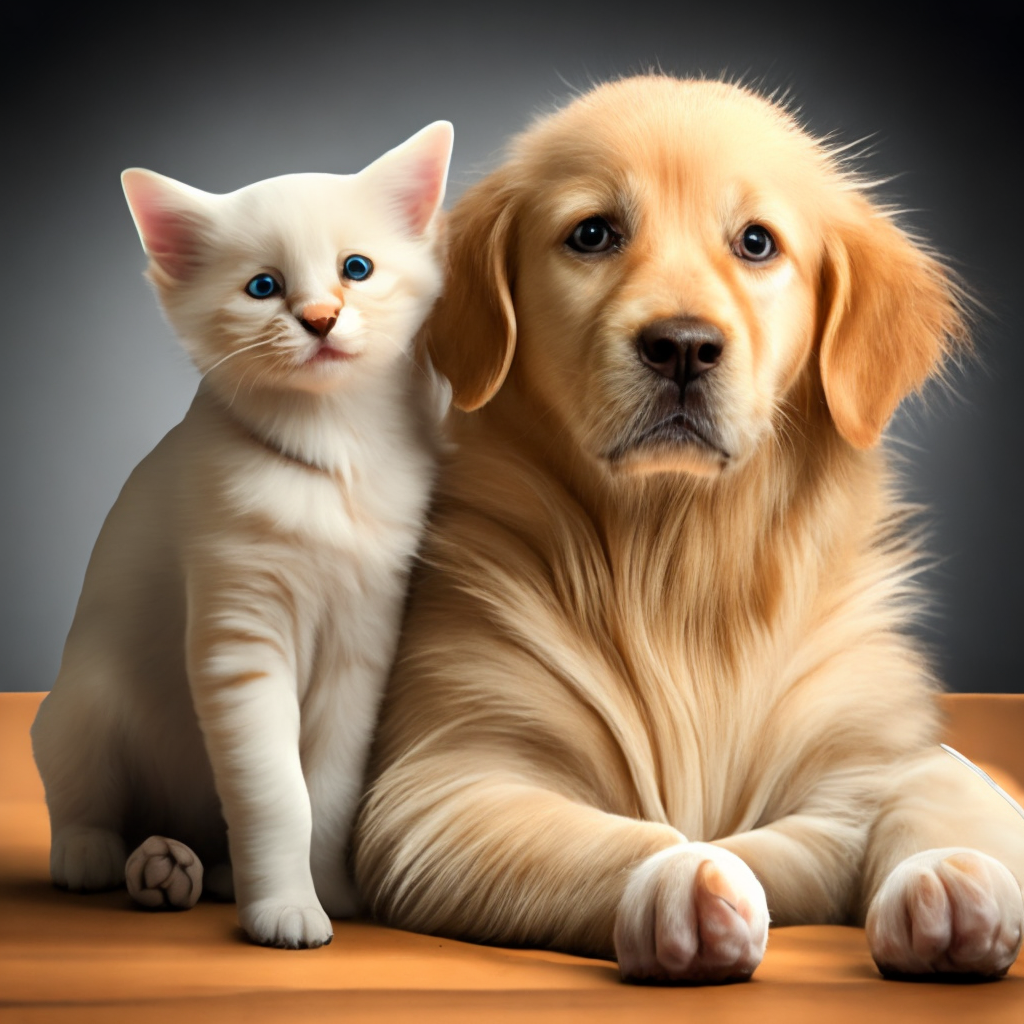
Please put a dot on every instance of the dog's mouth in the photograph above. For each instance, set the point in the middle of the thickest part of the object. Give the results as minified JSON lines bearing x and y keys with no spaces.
{"x":680,"y":429}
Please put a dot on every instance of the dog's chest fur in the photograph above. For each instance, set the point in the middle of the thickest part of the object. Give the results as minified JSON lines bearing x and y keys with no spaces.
{"x":688,"y":635}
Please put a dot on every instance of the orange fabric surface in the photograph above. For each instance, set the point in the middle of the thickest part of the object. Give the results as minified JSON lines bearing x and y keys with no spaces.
{"x":86,"y":959}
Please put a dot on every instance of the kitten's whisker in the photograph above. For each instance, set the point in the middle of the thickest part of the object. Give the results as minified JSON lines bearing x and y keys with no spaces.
{"x":258,"y":378}
{"x":234,"y":394}
{"x":237,"y":352}
{"x":241,"y":379}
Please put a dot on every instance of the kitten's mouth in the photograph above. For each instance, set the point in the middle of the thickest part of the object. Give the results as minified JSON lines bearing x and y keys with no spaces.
{"x":329,"y":354}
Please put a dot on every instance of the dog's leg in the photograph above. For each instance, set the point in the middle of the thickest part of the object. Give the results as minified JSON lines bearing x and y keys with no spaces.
{"x":943,"y":874}
{"x":809,"y":861}
{"x":499,"y":860}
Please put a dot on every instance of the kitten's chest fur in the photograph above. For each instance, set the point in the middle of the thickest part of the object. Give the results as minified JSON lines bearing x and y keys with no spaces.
{"x":339,"y":475}
{"x":327,"y":511}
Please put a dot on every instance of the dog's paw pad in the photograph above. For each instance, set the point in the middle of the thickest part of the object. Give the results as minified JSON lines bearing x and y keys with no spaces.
{"x":164,"y":874}
{"x":692,"y":914}
{"x":87,"y":859}
{"x":725,"y":916}
{"x":946,"y":912}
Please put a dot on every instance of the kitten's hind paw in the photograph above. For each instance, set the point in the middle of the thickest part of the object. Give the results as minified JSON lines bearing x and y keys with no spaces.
{"x":286,"y":925}
{"x":85,"y":859}
{"x":164,"y":874}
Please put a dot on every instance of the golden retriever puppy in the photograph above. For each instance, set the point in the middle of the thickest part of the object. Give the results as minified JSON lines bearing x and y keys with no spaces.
{"x":655,"y":687}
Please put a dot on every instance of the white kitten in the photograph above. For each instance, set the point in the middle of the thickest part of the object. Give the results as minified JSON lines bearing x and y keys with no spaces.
{"x":241,"y":607}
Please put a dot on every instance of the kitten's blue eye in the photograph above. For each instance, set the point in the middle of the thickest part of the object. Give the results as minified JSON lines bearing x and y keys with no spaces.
{"x":357,"y":268}
{"x":262,"y":286}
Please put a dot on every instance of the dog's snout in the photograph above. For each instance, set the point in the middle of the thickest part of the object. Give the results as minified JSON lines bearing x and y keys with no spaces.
{"x":680,"y":348}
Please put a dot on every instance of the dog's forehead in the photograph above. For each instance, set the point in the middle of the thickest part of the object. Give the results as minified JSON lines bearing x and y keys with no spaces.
{"x":675,"y":128}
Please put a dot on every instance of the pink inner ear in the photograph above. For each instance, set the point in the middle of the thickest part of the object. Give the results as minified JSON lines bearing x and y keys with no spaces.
{"x":169,"y":233}
{"x":423,"y":189}
{"x":418,"y":170}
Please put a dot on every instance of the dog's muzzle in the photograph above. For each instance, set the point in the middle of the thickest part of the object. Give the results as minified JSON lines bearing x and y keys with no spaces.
{"x":681,"y":353}
{"x":680,"y":349}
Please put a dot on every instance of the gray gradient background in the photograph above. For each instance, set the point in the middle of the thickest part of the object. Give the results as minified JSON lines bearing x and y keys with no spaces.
{"x":220,"y":97}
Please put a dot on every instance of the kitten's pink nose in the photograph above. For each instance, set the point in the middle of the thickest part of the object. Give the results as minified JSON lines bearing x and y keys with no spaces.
{"x":319,"y":318}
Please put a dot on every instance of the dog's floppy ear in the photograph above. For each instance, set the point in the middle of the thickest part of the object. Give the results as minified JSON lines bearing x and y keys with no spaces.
{"x":471,"y":334}
{"x":892,"y":314}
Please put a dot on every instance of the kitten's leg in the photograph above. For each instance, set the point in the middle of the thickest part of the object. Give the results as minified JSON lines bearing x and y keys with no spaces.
{"x":244,"y":690}
{"x":943,"y":874}
{"x":77,"y":750}
{"x":332,"y":824}
{"x":164,"y":874}
{"x":337,"y":728}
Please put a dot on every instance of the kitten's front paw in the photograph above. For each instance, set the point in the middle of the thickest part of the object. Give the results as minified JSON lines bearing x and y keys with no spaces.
{"x":953,"y":911}
{"x":86,"y":859}
{"x":693,"y":913}
{"x":163,"y":873}
{"x":286,"y":925}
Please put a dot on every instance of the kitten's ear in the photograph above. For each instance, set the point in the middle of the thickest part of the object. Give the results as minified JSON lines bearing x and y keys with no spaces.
{"x":170,"y":218}
{"x":414,"y":174}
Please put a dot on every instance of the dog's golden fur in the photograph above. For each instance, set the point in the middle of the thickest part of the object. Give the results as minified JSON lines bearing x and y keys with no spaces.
{"x":613,"y":642}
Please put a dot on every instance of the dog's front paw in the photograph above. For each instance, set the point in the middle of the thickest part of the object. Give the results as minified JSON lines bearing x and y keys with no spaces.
{"x":87,"y":859}
{"x":286,"y":925}
{"x":164,"y":874}
{"x":693,"y":913}
{"x":953,"y":911}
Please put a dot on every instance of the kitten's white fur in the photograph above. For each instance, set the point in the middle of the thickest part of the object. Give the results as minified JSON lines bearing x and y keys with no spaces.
{"x":241,"y":606}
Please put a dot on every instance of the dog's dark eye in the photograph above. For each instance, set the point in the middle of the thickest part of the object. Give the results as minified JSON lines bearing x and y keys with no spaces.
{"x":755,"y":244}
{"x":592,"y":235}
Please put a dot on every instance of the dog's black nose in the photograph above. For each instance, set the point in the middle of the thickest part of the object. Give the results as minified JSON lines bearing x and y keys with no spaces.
{"x":681,"y":348}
